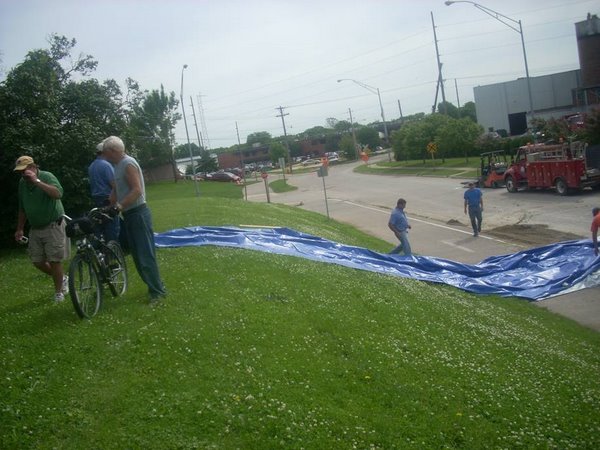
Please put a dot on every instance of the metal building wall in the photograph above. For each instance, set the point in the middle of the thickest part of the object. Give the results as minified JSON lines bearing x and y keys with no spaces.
{"x":495,"y":102}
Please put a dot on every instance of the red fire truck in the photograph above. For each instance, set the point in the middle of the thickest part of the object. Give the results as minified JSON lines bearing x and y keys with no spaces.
{"x":567,"y":167}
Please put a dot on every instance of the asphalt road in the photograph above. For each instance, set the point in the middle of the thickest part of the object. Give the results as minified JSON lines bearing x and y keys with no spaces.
{"x":439,"y":225}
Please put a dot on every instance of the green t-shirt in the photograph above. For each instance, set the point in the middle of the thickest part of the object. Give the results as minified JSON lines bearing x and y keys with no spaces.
{"x":40,"y":209}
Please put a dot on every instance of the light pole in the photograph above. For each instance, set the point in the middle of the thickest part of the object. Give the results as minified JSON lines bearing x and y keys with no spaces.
{"x":502,"y":18}
{"x":187,"y":134}
{"x":374,"y":90}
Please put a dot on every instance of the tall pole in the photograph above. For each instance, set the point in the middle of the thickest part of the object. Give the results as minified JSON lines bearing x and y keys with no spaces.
{"x":287,"y":145}
{"x":353,"y":134}
{"x":437,"y":54}
{"x":196,"y":124}
{"x":401,"y":116}
{"x":187,"y":134}
{"x":241,"y":161}
{"x":503,"y":19}
{"x":457,"y":99}
{"x":531,"y":112}
{"x":374,"y":90}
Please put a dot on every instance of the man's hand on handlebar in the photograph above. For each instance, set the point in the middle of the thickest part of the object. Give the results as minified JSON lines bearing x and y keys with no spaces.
{"x":111,"y":211}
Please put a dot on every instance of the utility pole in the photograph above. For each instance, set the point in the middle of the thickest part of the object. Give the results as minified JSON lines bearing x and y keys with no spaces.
{"x":198,"y":135}
{"x":457,"y":99}
{"x":203,"y":122}
{"x":241,"y":161}
{"x":401,"y":116}
{"x":440,"y":78}
{"x":287,"y":145}
{"x":187,"y":134}
{"x":353,"y":134}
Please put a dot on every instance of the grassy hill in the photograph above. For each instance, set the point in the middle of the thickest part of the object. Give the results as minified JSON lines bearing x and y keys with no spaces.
{"x":252,"y":350}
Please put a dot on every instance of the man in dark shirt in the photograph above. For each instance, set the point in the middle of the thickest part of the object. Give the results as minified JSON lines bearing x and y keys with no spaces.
{"x":102,"y":178}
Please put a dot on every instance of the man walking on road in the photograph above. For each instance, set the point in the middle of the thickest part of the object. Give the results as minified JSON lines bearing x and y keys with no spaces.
{"x":594,"y":229}
{"x":399,"y":225}
{"x":474,"y":202}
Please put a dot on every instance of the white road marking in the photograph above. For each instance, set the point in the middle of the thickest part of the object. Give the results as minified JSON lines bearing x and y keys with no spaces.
{"x":458,"y":247}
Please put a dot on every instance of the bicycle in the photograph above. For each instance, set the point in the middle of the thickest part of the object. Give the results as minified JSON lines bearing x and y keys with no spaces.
{"x":96,"y":264}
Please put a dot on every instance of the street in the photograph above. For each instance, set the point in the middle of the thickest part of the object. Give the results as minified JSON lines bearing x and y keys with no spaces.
{"x":439,"y":226}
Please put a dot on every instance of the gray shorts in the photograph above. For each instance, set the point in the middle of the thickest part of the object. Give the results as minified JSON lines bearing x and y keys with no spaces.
{"x":49,"y":243}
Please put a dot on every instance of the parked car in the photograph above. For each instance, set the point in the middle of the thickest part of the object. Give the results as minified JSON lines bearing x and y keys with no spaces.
{"x":223,"y":176}
{"x":235,"y":171}
{"x":311,"y":162}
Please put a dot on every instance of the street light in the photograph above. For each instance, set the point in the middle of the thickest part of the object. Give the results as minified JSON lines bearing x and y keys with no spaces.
{"x":502,"y":18}
{"x":187,"y":133}
{"x":374,"y":90}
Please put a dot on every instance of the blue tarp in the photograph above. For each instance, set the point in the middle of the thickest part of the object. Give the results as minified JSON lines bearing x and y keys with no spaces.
{"x":532,"y":274}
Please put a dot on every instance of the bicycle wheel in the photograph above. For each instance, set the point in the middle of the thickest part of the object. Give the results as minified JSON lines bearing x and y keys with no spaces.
{"x":116,"y":269}
{"x":84,"y":287}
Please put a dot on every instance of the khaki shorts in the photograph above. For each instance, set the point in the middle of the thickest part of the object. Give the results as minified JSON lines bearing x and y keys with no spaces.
{"x":49,"y":243}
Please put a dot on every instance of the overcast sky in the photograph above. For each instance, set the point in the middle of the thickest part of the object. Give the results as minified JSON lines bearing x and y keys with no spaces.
{"x":248,"y":57}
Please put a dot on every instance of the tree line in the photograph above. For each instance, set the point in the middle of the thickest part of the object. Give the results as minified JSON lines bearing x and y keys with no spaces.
{"x":52,"y":110}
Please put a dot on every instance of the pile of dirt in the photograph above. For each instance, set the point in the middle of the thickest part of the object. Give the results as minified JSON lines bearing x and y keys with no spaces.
{"x":533,"y":235}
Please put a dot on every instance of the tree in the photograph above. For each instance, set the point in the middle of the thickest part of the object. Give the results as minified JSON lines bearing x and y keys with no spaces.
{"x":368,"y":136}
{"x":331,"y":122}
{"x":411,"y":141}
{"x":591,"y":132}
{"x":449,"y":109}
{"x":151,"y":124}
{"x":206,"y":163}
{"x":347,"y":147}
{"x":457,"y":137}
{"x":183,"y":151}
{"x":260,"y":137}
{"x":332,"y":142}
{"x":295,"y":148}
{"x":468,"y":110}
{"x":277,"y":150}
{"x":343,"y":126}
{"x":57,"y":120}
{"x":315,"y":132}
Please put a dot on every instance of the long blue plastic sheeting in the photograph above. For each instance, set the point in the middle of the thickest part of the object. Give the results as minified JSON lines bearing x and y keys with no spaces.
{"x":532,"y":274}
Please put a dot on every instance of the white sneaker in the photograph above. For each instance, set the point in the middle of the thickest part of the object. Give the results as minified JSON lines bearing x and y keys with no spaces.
{"x":59,"y":297}
{"x":65,"y":285}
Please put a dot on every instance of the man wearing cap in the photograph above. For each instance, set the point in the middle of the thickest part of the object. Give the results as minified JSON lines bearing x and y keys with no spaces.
{"x":594,"y":229}
{"x":129,"y":197}
{"x":40,"y":205}
{"x":102,"y":178}
{"x":474,"y":203}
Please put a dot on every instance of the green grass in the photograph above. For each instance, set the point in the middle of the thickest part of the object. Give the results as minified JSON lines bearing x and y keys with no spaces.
{"x":451,"y":167}
{"x":279,"y":186}
{"x":253,"y":350}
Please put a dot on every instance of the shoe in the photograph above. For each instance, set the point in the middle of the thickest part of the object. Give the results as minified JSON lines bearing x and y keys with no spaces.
{"x":475,"y":234}
{"x":59,"y":297}
{"x":65,"y":285}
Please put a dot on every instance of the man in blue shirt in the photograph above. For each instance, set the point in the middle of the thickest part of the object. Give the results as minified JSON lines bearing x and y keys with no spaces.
{"x":474,"y":203}
{"x":102,"y":178}
{"x":399,"y":225}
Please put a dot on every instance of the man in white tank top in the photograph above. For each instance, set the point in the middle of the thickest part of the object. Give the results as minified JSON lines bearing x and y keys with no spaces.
{"x":129,"y":196}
